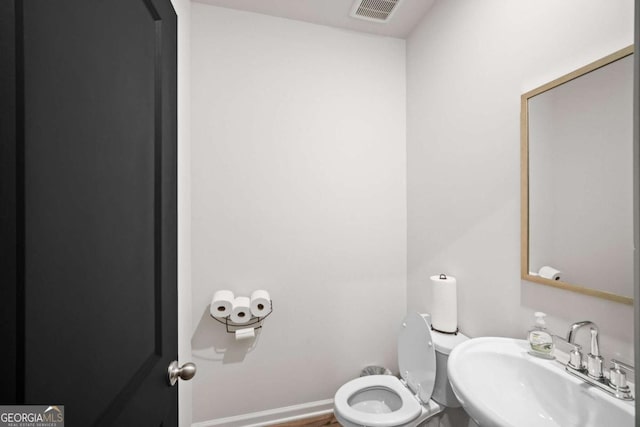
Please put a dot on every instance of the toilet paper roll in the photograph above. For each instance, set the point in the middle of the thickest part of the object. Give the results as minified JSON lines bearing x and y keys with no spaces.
{"x":221,"y":303}
{"x":260,"y":303}
{"x":549,"y":273}
{"x":245,"y":334}
{"x":241,"y":310}
{"x":444,"y":311}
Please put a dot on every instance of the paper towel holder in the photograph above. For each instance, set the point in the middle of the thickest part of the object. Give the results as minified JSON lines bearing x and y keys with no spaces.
{"x":232,"y":327}
{"x":444,"y":277}
{"x":444,"y":332}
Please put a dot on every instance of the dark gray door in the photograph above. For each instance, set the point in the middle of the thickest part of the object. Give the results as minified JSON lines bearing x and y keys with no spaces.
{"x":89,"y":208}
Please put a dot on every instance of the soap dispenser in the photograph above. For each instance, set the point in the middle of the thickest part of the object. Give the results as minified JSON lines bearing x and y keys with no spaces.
{"x":540,"y":340}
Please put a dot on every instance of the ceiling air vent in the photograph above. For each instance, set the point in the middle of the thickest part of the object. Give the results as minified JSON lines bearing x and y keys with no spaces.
{"x":374,"y":10}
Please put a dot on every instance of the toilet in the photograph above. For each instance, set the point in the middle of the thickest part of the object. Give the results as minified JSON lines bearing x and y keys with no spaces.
{"x":423,"y":391}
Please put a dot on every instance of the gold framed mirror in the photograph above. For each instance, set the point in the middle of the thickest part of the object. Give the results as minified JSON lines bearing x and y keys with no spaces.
{"x":577,"y":178}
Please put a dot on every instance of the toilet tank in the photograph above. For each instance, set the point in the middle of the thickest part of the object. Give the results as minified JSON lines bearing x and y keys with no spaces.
{"x":442,"y":391}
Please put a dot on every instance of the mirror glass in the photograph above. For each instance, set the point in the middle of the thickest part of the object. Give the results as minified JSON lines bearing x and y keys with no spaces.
{"x":577,"y":143}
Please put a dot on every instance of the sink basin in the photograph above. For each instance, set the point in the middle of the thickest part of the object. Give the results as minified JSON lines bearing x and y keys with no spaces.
{"x":499,"y":384}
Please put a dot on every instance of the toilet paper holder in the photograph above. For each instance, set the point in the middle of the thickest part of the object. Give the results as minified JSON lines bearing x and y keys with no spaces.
{"x":254,"y":322}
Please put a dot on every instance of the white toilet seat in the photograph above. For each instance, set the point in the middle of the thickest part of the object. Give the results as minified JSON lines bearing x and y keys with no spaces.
{"x":409,"y":410}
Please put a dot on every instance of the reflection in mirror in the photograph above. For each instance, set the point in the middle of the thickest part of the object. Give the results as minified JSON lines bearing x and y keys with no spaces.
{"x":577,"y":178}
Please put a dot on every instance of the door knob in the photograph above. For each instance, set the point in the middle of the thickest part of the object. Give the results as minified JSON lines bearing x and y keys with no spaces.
{"x":185,"y":372}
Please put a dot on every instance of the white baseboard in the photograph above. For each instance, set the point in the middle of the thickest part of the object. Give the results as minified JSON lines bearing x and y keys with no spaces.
{"x":273,"y":416}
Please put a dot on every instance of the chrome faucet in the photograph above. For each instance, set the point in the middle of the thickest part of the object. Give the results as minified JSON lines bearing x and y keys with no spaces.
{"x":595,"y":362}
{"x":592,"y":372}
{"x":573,"y":329}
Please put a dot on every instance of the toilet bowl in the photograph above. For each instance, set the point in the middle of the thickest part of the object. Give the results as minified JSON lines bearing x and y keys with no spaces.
{"x":386,"y":401}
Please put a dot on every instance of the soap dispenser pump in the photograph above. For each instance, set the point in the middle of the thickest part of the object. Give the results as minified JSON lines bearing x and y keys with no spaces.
{"x":540,"y":340}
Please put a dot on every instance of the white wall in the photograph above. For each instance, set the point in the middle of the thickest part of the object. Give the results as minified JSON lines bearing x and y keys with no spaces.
{"x":468,"y":62}
{"x":299,"y":187}
{"x":183,"y":10}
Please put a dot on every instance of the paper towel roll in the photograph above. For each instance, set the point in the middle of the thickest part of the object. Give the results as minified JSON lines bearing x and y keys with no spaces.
{"x":244,"y":334}
{"x":221,"y":303}
{"x":444,"y":311}
{"x":549,"y":273}
{"x":260,"y":303}
{"x":241,"y":310}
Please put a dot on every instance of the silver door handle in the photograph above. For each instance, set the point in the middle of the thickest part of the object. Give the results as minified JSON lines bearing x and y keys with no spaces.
{"x":185,"y":372}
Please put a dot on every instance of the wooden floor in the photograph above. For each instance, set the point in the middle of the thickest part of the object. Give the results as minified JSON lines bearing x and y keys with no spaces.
{"x":321,"y":421}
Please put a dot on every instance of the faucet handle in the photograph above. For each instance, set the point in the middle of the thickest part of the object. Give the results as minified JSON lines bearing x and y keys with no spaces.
{"x":595,"y":362}
{"x":594,"y":366}
{"x":575,"y":357}
{"x":573,"y":350}
{"x":618,"y":378}
{"x":595,"y":347}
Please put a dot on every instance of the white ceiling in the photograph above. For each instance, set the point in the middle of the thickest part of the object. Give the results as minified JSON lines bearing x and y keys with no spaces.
{"x":334,"y":13}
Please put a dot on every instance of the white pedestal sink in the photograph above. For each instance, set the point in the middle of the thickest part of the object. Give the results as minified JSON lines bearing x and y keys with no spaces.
{"x":500,"y":385}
